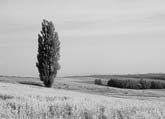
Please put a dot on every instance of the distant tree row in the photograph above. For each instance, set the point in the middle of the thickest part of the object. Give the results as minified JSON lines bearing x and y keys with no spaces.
{"x":133,"y":84}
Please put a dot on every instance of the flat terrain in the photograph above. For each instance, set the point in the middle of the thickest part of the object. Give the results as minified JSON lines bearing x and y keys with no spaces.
{"x":76,"y":98}
{"x":149,"y":76}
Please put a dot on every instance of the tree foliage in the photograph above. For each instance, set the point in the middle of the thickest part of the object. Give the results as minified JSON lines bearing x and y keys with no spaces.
{"x":48,"y":53}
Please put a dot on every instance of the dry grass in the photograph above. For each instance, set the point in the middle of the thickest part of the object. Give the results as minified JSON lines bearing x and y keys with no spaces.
{"x":30,"y":102}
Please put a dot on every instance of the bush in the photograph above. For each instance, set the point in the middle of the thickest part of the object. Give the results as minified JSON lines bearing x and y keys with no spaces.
{"x":112,"y":82}
{"x":98,"y":81}
{"x":132,"y":84}
{"x":135,"y":84}
{"x":145,"y":84}
{"x":157,"y":85}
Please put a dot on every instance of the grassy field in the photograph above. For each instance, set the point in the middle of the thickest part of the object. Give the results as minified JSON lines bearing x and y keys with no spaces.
{"x":131,"y":81}
{"x":149,"y":76}
{"x":74,"y":98}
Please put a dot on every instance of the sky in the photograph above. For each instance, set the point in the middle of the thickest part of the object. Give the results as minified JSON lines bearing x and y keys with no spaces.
{"x":97,"y":36}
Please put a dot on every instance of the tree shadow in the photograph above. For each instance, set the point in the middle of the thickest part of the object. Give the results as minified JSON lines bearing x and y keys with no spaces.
{"x":31,"y":83}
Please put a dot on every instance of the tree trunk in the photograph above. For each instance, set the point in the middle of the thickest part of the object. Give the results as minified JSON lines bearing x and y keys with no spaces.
{"x":50,"y":81}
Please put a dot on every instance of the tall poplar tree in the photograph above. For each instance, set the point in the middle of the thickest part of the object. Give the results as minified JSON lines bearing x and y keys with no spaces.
{"x":48,"y":53}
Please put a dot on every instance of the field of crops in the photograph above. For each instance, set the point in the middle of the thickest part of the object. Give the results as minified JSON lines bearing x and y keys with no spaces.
{"x":19,"y":101}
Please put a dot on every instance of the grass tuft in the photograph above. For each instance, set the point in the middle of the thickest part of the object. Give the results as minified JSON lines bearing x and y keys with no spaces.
{"x":5,"y":97}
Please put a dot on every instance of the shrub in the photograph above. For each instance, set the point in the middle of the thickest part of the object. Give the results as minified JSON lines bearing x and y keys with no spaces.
{"x":98,"y":81}
{"x":157,"y":85}
{"x":135,"y":84}
{"x":112,"y":82}
{"x":145,"y":84}
{"x":123,"y":83}
{"x":48,"y":53}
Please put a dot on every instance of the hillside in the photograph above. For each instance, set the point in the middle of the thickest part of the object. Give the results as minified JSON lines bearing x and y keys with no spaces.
{"x":86,"y":85}
{"x":151,"y":76}
{"x":69,"y":101}
{"x":31,"y":102}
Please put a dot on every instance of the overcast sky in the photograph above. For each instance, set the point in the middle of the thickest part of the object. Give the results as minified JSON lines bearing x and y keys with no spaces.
{"x":97,"y":36}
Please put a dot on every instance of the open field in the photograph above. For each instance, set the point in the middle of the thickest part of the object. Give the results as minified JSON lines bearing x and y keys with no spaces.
{"x":86,"y":84}
{"x":149,"y":76}
{"x":74,"y":98}
{"x":131,"y":81}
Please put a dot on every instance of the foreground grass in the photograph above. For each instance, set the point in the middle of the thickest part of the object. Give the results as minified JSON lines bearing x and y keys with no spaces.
{"x":31,"y":102}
